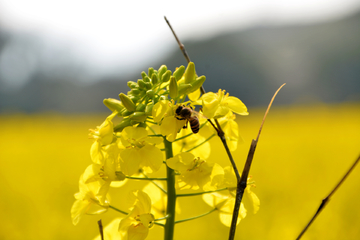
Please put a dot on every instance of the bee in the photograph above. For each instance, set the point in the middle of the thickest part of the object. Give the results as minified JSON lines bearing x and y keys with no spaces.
{"x":188,"y":114}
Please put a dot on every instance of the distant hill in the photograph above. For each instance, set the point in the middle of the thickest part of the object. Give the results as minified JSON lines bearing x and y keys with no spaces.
{"x":318,"y":62}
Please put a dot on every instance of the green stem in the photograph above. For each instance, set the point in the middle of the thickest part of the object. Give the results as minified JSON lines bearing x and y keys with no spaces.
{"x":199,"y":216}
{"x":201,"y":143}
{"x":118,"y":210}
{"x":200,"y":193}
{"x":171,"y":201}
{"x":140,"y":178}
{"x":157,"y":185}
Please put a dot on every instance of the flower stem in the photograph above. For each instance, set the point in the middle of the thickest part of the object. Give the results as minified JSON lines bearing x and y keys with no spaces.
{"x":200,"y":193}
{"x":201,"y":143}
{"x":118,"y":210}
{"x":199,"y":216}
{"x":171,"y":202}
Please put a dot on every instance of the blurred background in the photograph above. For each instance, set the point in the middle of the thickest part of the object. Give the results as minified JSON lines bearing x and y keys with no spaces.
{"x":60,"y":59}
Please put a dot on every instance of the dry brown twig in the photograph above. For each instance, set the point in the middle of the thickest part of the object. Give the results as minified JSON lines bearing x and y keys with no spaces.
{"x":327,"y":198}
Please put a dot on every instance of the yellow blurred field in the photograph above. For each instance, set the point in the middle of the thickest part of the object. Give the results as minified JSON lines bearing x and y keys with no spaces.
{"x":302,"y":153}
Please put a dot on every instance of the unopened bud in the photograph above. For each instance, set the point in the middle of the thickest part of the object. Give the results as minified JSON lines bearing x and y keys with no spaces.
{"x":190,"y":73}
{"x":140,"y":107}
{"x":141,"y":83}
{"x":161,"y":71}
{"x":173,"y":88}
{"x":143,"y":74}
{"x":197,"y":83}
{"x":146,"y":79}
{"x":166,"y":76}
{"x":148,"y":109}
{"x":154,"y":78}
{"x":184,"y":88}
{"x":134,"y":91}
{"x":127,"y":102}
{"x":179,"y":72}
{"x":150,"y":71}
{"x":150,"y":93}
{"x":114,"y":104}
{"x":123,"y":124}
{"x":138,"y":116}
{"x":132,"y":84}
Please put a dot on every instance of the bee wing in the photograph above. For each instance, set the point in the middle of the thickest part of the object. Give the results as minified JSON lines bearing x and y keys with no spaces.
{"x":199,"y":114}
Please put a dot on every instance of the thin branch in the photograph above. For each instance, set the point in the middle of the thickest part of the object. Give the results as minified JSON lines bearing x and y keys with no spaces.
{"x":189,"y":150}
{"x":118,"y":210}
{"x":146,"y":178}
{"x":199,"y":216}
{"x":182,"y":48}
{"x":326,"y":199}
{"x":157,"y":185}
{"x":241,"y":185}
{"x":199,"y":193}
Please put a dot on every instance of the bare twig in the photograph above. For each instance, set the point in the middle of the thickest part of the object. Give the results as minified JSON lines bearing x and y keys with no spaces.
{"x":101,"y":230}
{"x":182,"y":48}
{"x":241,"y":185}
{"x":326,"y":199}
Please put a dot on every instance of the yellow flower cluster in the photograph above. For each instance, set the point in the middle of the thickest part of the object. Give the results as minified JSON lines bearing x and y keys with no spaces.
{"x":154,"y":115}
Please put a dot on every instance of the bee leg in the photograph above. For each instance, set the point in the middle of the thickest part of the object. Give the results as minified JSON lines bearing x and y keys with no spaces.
{"x":185,"y":126}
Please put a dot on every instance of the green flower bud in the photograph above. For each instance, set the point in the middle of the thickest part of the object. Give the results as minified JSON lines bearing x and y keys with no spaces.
{"x":197,"y":83}
{"x":147,"y":79}
{"x":140,"y":107}
{"x":114,"y":104}
{"x":132,"y":122}
{"x":123,"y":124}
{"x":179,"y":72}
{"x":125,"y":112}
{"x":143,"y":125}
{"x":138,"y":116}
{"x":141,"y":83}
{"x":150,"y":93}
{"x":148,"y":109}
{"x":135,"y":99}
{"x":127,"y":102}
{"x":151,"y":71}
{"x":166,"y":76}
{"x":173,"y":87}
{"x":184,"y":89}
{"x":161,"y":71}
{"x":190,"y":73}
{"x":132,"y":84}
{"x":134,"y":92}
{"x":154,"y":78}
{"x":148,"y":85}
{"x":143,"y":74}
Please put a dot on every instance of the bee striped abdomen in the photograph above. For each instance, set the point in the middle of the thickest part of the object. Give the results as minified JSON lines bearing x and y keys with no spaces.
{"x":194,"y":124}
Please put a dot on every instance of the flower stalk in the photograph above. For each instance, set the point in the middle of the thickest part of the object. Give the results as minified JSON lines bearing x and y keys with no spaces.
{"x":171,"y":192}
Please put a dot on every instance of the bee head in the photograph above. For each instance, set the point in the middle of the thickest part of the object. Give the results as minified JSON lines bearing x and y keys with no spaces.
{"x":178,"y":110}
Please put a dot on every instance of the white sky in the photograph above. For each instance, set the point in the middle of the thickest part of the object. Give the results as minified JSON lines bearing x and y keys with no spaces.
{"x":127,"y":32}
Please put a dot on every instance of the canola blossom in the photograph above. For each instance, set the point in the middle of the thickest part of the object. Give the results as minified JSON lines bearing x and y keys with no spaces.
{"x":144,"y":137}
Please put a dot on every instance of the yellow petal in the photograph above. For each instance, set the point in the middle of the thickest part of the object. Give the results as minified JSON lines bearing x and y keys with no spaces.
{"x":137,"y":232}
{"x":194,"y":95}
{"x":152,"y":158}
{"x":236,"y":105}
{"x":130,"y":161}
